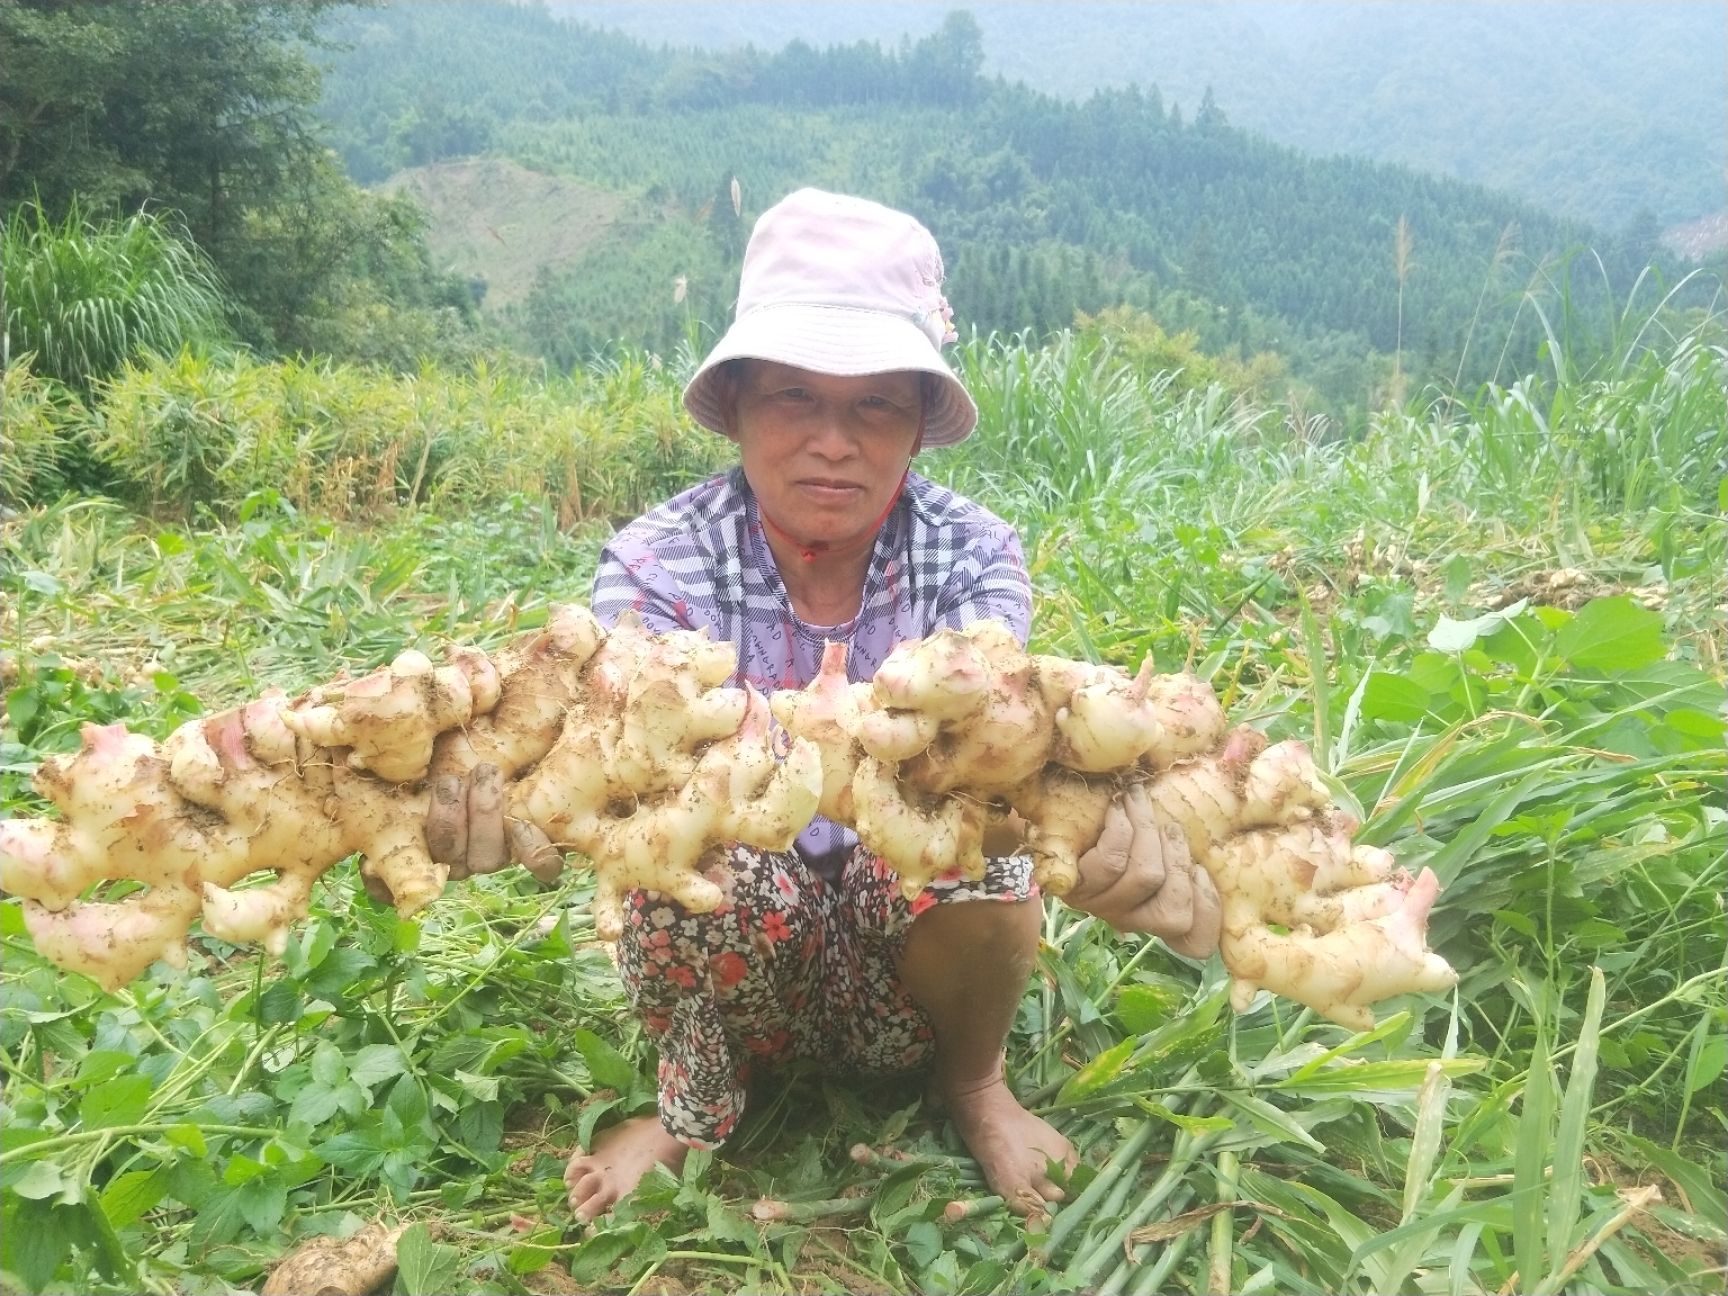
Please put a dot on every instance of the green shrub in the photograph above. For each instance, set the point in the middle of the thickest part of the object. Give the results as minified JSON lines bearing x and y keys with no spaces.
{"x":37,"y":446}
{"x":185,"y":432}
{"x":85,"y":297}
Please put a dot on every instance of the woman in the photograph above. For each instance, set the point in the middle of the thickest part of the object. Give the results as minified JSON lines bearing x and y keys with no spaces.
{"x":830,"y":379}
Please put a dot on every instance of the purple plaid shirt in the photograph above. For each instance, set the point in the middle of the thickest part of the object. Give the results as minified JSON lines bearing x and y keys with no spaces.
{"x":702,"y":560}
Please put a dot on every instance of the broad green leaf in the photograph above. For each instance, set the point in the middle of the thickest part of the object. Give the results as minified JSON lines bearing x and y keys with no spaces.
{"x":485,"y":1088}
{"x":33,"y":1242}
{"x":1449,"y":636}
{"x":242,"y":1169}
{"x":220,"y":1219}
{"x":129,"y":1197}
{"x":1396,"y":698}
{"x":103,"y":1064}
{"x":727,"y":1225}
{"x":534,"y":1252}
{"x":609,"y":1068}
{"x":1611,"y":634}
{"x":41,"y":1180}
{"x":120,"y":1101}
{"x":281,"y":1003}
{"x":189,"y":1137}
{"x":425,"y":1267}
{"x":263,"y":1202}
{"x":374,"y":1064}
{"x":329,"y":1068}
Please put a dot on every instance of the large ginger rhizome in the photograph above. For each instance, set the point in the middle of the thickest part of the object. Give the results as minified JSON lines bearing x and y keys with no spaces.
{"x":635,"y":751}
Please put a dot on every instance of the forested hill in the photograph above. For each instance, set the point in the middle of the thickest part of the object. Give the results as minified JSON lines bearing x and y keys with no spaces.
{"x":1045,"y":206}
{"x":1600,"y":111}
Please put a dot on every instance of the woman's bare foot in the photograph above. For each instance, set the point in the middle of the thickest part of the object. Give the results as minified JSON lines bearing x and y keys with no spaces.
{"x":1011,"y":1145}
{"x":599,"y":1179}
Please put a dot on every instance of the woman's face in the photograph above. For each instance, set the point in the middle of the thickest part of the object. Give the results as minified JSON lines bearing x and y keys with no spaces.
{"x":824,"y":454}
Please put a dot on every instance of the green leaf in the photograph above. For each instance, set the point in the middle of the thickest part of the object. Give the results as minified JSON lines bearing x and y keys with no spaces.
{"x":1144,"y":1008}
{"x":727,"y":1225}
{"x":33,"y":1242}
{"x":1708,"y":1062}
{"x":534,"y":1252}
{"x":1566,"y":1186}
{"x":1396,"y":698}
{"x":1097,"y":1073}
{"x":1531,"y":1157}
{"x":1611,"y":634}
{"x":189,"y":1137}
{"x":1271,"y":1121}
{"x":609,"y":1068}
{"x":41,"y":1180}
{"x":485,"y":1088}
{"x":281,"y":1003}
{"x":923,"y":1243}
{"x":1193,"y":1124}
{"x":1459,"y":572}
{"x":262,"y":1203}
{"x":314,"y":1105}
{"x":425,"y":1267}
{"x":1378,"y":1077}
{"x":1449,"y":636}
{"x":374,"y":1064}
{"x":127,"y":1198}
{"x":328,"y":1065}
{"x":358,"y":1152}
{"x":220,"y":1219}
{"x":120,"y":1101}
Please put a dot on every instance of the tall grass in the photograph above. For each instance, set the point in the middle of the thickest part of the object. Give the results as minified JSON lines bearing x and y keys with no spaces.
{"x":84,"y":296}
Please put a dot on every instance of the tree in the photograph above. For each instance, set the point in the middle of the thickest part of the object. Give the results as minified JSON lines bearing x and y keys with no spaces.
{"x":206,"y":110}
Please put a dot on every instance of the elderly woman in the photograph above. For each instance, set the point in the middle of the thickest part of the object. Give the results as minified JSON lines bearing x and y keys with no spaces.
{"x":829,"y":381}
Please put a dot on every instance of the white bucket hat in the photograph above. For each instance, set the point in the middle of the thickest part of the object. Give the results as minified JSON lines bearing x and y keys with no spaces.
{"x":841,"y":286}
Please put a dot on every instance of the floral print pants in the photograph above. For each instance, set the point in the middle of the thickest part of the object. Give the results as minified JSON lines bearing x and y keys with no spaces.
{"x":789,"y":966}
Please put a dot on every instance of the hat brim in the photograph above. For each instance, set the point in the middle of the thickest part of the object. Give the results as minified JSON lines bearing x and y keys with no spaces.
{"x":842,"y":341}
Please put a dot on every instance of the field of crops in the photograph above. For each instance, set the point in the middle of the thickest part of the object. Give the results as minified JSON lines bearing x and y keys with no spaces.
{"x":1497,"y":619}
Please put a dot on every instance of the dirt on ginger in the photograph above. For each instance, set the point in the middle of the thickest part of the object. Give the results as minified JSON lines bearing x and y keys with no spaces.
{"x":637,"y":751}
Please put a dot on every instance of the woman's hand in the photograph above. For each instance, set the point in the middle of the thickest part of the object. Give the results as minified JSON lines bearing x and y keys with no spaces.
{"x":1140,"y":876}
{"x":466,"y":828}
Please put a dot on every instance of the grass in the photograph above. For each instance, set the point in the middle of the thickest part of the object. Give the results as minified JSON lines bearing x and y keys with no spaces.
{"x":82,"y":297}
{"x":1499,"y":632}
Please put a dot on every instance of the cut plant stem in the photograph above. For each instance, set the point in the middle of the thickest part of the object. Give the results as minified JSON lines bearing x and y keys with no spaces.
{"x":888,"y":1162}
{"x":1084,"y":1269}
{"x":1129,"y":1269}
{"x":971,"y":1208}
{"x":771,"y":1210}
{"x":1125,"y":1158}
{"x":1222,"y":1262}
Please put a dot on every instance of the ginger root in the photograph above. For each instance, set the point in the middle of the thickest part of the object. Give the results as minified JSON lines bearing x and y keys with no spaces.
{"x":636,"y":751}
{"x":965,"y":727}
{"x":634,"y":755}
